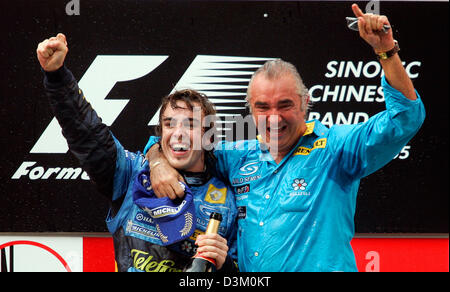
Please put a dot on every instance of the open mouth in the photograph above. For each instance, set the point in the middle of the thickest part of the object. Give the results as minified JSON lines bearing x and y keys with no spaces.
{"x":179,"y":149}
{"x":276,"y":131}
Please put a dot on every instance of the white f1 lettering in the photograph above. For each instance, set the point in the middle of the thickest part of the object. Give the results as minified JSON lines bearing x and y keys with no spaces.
{"x":97,"y":82}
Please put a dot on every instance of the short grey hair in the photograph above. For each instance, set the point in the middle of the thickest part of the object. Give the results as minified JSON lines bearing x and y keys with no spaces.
{"x":273,"y":70}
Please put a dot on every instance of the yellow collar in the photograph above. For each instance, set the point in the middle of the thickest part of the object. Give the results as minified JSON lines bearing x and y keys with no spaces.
{"x":309,"y":128}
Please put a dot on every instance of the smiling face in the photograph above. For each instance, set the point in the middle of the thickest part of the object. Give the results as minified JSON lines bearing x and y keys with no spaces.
{"x":278,"y":112}
{"x":181,"y":134}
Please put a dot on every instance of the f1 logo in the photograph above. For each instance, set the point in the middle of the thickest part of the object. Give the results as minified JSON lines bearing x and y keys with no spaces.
{"x":215,"y":76}
{"x":96,"y":83}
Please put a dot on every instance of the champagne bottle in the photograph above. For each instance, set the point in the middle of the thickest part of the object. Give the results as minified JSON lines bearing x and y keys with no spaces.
{"x":201,"y":263}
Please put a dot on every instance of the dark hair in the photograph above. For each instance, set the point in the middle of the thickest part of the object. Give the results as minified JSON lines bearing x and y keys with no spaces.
{"x":190,"y":97}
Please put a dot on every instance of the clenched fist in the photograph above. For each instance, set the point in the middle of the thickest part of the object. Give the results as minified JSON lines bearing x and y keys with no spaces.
{"x":52,"y":52}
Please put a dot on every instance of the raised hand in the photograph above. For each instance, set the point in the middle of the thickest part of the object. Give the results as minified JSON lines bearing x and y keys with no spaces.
{"x":371,"y":30}
{"x":52,"y":52}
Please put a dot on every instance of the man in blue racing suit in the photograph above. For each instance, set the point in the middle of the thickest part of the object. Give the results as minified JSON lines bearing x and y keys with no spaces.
{"x":296,"y":185}
{"x":138,"y":243}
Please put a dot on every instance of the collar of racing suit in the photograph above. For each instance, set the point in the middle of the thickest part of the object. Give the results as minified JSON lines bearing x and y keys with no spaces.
{"x":200,"y":178}
{"x":196,"y":178}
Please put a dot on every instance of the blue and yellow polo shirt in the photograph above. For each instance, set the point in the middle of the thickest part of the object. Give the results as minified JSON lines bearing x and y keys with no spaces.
{"x":298,"y":215}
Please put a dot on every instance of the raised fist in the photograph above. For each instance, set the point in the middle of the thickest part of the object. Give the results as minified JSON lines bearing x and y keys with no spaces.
{"x":52,"y":52}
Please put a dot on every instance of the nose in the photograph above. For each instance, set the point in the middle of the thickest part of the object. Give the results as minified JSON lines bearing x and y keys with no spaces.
{"x":274,"y":119}
{"x":181,"y":133}
{"x":179,"y":130}
{"x":270,"y":120}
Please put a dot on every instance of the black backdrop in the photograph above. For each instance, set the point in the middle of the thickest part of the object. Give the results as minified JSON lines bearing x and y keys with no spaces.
{"x":407,"y":196}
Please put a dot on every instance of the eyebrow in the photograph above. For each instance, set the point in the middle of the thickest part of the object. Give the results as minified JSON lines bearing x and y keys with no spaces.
{"x":165,"y":119}
{"x":285,"y":101}
{"x":281,"y":102}
{"x":260,"y":103}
